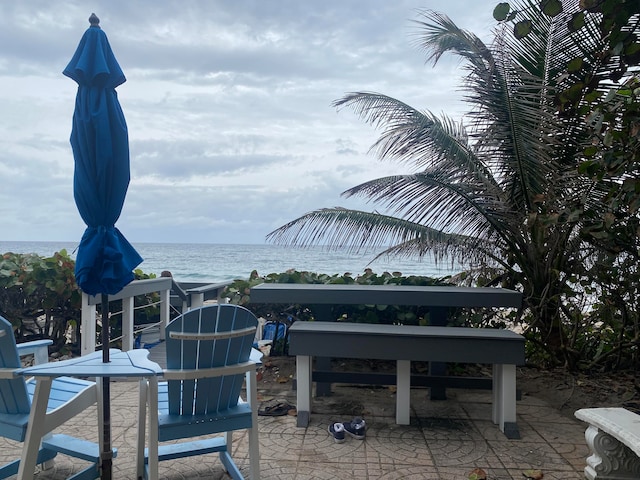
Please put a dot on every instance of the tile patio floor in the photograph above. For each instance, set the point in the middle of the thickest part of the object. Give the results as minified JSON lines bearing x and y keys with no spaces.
{"x":446,"y":440}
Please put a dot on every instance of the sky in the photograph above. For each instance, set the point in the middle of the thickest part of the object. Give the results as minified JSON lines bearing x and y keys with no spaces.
{"x":228,"y":106}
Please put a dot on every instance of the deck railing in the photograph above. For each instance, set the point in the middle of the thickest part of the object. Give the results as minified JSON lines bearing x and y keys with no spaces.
{"x":173,"y":295}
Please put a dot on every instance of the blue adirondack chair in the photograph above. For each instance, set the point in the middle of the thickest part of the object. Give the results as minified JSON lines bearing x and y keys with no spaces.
{"x":209,"y":357}
{"x":68,"y":397}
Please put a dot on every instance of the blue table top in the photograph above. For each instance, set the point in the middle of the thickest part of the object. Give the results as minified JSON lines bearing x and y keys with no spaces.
{"x":133,"y":363}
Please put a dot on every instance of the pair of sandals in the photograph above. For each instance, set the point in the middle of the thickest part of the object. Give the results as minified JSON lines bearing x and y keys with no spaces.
{"x":356,"y":428}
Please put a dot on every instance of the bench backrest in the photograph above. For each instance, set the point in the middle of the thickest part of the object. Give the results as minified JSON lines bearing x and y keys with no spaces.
{"x":13,"y":392}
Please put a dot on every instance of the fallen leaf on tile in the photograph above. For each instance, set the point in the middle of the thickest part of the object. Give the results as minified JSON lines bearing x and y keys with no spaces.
{"x":533,"y":474}
{"x":477,"y":474}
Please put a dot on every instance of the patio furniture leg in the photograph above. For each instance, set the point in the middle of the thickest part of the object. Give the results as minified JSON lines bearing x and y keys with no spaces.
{"x":504,"y":400}
{"x":100,"y":408}
{"x":303,"y":378}
{"x":254,"y":445}
{"x":153,"y":428}
{"x":35,"y":429}
{"x":142,"y":418}
{"x":403,"y":393}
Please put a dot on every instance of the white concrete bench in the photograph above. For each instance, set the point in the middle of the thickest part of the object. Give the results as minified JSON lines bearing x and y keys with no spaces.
{"x":613,"y":437}
{"x":503,"y":349}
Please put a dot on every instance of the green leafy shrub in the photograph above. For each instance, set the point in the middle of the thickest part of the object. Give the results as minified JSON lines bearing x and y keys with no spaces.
{"x":239,"y":293}
{"x":41,"y":299}
{"x":39,"y":296}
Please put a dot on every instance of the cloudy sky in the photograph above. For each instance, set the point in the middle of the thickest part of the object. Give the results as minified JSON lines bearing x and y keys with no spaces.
{"x":228,"y":105}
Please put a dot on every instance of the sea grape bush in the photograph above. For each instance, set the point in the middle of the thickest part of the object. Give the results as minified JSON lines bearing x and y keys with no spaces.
{"x":238,"y":293}
{"x":41,"y":299}
{"x":39,"y":296}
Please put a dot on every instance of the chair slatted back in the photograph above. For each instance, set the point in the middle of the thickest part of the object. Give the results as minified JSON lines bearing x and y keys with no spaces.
{"x":13,"y":392}
{"x":216,"y":347}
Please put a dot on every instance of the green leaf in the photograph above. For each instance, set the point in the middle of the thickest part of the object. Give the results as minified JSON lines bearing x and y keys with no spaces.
{"x":551,"y":7}
{"x":632,"y":48}
{"x":576,"y":22}
{"x":593,"y":96}
{"x":591,"y":5}
{"x":501,"y":11}
{"x":589,"y":152}
{"x":522,"y":29}
{"x":575,"y":65}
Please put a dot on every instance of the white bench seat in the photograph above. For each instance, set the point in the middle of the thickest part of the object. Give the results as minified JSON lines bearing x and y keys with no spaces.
{"x":613,"y":437}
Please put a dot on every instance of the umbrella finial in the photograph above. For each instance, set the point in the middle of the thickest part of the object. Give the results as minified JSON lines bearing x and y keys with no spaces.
{"x":94,"y":20}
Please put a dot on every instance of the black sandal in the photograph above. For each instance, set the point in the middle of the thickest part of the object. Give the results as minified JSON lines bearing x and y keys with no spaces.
{"x":274,"y":408}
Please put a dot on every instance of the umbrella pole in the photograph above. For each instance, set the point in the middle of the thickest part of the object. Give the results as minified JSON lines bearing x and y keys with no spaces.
{"x":106,"y":456}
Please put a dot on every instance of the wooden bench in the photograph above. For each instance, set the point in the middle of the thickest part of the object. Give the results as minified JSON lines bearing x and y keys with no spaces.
{"x":438,"y":299}
{"x":503,"y":349}
{"x":613,"y":437}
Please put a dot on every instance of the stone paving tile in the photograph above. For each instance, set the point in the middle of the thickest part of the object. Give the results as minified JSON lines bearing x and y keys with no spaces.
{"x":445,"y":441}
{"x":450,"y":428}
{"x":550,"y":474}
{"x":527,"y":455}
{"x":542,"y":413}
{"x":462,"y":473}
{"x":553,"y":432}
{"x":574,"y":454}
{"x":463,"y":454}
{"x":489,"y":431}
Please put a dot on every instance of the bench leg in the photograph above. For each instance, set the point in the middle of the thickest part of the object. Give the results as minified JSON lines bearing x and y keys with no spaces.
{"x":438,"y":317}
{"x":403,"y":393}
{"x":609,"y":458}
{"x":303,"y":382}
{"x":504,"y":400}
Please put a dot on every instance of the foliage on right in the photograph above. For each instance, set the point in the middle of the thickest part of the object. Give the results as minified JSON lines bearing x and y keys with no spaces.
{"x":504,"y":190}
{"x":600,"y":87}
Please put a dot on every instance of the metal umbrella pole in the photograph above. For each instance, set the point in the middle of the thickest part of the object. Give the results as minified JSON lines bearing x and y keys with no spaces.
{"x":106,"y":456}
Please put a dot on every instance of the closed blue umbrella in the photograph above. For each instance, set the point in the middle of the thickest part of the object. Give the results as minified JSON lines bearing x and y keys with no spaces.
{"x":105,"y":259}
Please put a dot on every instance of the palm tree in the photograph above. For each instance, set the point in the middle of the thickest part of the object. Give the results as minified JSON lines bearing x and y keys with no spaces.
{"x":500,"y":190}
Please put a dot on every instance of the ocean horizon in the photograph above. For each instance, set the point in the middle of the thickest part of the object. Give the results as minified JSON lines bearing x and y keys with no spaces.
{"x":197,"y":262}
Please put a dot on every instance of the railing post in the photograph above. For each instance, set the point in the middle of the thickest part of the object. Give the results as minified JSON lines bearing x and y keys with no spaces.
{"x":197,"y":299}
{"x":87,"y":326}
{"x":165,"y":309}
{"x":127,"y":324}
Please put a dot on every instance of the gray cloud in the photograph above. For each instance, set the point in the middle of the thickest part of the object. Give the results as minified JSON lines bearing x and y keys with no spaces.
{"x":228,"y":106}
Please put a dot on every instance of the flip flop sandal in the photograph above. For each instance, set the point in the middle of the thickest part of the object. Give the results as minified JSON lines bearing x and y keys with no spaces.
{"x":274,"y":409}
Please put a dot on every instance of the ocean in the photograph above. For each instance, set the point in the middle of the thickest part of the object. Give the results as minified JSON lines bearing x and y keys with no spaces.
{"x":222,"y":263}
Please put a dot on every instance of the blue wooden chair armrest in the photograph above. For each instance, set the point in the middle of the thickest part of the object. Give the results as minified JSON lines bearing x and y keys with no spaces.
{"x":38,"y":348}
{"x":256,"y":356}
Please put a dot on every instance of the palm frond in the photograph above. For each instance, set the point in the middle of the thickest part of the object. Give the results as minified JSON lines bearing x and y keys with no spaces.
{"x":408,"y":135}
{"x":438,"y":35}
{"x":355,"y":230}
{"x":446,"y":201}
